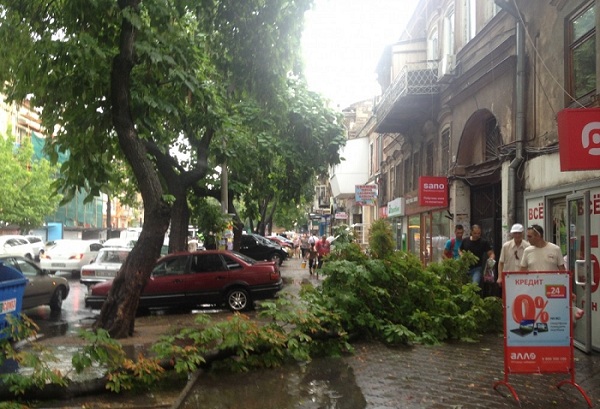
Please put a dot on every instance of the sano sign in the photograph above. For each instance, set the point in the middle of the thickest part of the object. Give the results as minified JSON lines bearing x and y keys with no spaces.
{"x":433,"y":191}
{"x":579,"y":139}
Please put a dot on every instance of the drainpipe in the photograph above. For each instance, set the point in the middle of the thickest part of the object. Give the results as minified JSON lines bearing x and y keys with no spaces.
{"x":510,"y":7}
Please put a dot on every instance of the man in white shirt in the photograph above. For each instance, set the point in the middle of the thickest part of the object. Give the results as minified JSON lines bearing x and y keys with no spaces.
{"x":512,"y":252}
{"x":541,"y":255}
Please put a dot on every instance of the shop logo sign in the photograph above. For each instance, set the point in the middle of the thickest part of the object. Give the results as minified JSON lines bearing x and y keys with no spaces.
{"x":579,"y":139}
{"x":433,"y":191}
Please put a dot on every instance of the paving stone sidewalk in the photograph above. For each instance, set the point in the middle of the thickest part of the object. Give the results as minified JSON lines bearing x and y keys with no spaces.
{"x":456,"y":375}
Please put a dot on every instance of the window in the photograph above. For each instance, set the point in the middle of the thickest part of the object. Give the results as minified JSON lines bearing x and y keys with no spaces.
{"x":470,"y":14}
{"x":581,"y":65}
{"x":416,"y":169}
{"x":398,"y":190}
{"x":445,"y":146}
{"x":429,"y":159}
{"x":432,"y":45}
{"x":408,"y":186}
{"x":448,"y":39}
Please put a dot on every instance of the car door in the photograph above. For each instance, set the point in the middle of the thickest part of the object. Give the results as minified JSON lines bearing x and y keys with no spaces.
{"x":168,"y":283}
{"x":38,"y":289}
{"x":209,"y":277}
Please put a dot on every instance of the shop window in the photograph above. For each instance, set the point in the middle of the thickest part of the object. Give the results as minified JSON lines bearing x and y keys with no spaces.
{"x":581,"y":53}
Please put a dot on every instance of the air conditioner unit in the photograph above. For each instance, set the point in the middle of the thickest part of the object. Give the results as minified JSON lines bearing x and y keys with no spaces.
{"x":446,"y":66}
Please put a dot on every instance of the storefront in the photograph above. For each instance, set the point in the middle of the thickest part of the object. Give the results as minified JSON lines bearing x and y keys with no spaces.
{"x":570,"y":216}
{"x":428,"y":219}
{"x":395,"y":214}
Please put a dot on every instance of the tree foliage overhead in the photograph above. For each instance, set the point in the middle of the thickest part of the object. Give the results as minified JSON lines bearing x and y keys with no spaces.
{"x":25,"y":194}
{"x":152,"y":84}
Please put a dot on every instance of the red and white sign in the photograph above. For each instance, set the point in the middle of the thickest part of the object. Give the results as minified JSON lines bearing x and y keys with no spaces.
{"x":433,"y":191}
{"x":579,"y":139}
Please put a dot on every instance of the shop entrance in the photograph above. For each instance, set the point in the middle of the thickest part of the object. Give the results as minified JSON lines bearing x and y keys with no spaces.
{"x":486,"y":211}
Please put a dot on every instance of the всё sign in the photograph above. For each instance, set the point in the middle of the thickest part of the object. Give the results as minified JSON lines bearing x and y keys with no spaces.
{"x":579,"y":139}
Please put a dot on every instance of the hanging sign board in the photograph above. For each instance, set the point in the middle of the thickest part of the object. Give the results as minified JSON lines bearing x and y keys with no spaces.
{"x":537,"y":322}
{"x":433,"y":191}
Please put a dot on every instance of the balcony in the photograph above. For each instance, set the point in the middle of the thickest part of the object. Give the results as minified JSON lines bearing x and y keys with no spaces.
{"x":411,"y":99}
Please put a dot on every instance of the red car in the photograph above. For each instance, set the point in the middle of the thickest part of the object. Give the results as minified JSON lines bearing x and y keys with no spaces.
{"x":211,"y":277}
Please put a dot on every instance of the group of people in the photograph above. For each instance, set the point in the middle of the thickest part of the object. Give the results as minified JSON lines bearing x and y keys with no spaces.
{"x":313,"y":251}
{"x":517,"y":254}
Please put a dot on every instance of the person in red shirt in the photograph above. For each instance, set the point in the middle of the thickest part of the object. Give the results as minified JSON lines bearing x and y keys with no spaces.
{"x":323,"y":248}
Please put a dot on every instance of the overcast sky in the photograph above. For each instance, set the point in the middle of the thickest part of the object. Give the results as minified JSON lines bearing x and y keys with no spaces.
{"x":342,"y":43}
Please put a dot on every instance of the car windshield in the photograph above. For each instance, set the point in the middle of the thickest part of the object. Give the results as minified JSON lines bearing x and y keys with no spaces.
{"x":112,"y":256}
{"x":73,"y":245}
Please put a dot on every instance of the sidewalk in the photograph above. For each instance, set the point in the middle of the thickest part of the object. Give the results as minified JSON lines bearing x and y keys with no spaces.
{"x":456,"y":375}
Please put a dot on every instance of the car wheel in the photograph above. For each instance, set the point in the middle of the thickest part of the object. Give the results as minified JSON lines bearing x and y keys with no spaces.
{"x":57,"y":299}
{"x":238,"y":299}
{"x":276,"y":258}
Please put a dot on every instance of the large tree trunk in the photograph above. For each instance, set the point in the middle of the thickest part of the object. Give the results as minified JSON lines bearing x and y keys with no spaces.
{"x":180,"y":217}
{"x":118,"y":312}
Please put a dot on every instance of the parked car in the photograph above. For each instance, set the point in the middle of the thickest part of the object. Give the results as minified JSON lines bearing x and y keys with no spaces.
{"x":261,"y":248}
{"x":105,"y":266}
{"x":210,"y":277}
{"x":287,"y":247}
{"x":117,"y":242}
{"x":42,"y":288}
{"x":15,"y":245}
{"x":69,"y":255}
{"x":37,"y":244}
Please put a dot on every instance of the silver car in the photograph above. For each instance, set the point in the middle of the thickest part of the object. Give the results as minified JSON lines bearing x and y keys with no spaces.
{"x":42,"y":288}
{"x":105,"y":266}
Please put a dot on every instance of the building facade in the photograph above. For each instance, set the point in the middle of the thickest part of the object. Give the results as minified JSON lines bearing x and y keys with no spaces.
{"x":474,"y":94}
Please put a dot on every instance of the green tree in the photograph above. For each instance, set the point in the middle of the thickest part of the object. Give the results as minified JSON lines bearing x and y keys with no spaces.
{"x":26,"y":197}
{"x":150,"y":83}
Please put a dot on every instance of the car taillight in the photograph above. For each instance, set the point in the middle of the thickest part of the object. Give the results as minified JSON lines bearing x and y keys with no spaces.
{"x":275,"y":275}
{"x":88,"y":273}
{"x":76,"y":257}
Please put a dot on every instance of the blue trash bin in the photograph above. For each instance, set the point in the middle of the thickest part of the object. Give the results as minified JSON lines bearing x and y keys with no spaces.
{"x":12,"y":288}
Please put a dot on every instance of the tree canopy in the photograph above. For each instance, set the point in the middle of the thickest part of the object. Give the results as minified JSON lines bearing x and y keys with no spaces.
{"x":26,"y":197}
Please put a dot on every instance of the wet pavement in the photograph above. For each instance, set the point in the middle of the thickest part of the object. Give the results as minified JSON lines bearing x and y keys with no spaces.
{"x":458,"y":375}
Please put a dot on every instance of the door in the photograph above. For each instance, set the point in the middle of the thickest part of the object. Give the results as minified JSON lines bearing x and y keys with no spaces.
{"x":580,"y":264}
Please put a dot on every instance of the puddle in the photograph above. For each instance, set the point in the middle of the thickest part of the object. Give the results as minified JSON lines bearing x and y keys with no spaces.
{"x":324,"y":383}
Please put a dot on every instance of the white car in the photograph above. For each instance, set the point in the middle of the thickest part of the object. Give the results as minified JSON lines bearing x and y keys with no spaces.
{"x":38,"y":245}
{"x":15,"y":245}
{"x":69,"y":255}
{"x":105,"y":266}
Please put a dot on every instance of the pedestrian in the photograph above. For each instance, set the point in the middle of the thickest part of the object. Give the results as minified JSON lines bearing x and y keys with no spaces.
{"x":323,"y":248}
{"x":453,"y":245}
{"x":481,"y":248}
{"x":312,"y":259}
{"x":512,"y":252}
{"x":541,"y":255}
{"x":304,"y":246}
{"x":296,"y":242}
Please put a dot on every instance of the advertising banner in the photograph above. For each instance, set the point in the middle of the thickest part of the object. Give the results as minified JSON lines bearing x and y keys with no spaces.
{"x":579,"y":139}
{"x":537,"y":322}
{"x":365,"y":195}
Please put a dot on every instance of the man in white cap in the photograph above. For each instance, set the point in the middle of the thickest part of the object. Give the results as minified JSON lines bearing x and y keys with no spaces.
{"x":512,"y":252}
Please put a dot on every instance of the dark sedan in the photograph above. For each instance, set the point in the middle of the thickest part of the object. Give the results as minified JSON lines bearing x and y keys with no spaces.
{"x":211,"y":277}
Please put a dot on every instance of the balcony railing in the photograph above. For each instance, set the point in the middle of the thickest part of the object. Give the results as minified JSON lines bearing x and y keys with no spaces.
{"x":414,"y":79}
